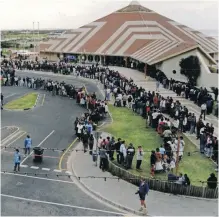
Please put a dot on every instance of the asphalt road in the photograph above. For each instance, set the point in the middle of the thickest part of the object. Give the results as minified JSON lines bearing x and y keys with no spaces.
{"x":41,"y":189}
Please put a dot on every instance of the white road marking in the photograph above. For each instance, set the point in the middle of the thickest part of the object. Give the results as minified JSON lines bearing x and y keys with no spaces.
{"x":37,"y":146}
{"x":24,"y":166}
{"x":35,"y":177}
{"x":10,"y":137}
{"x":58,"y":171}
{"x":9,"y":127}
{"x":6,"y":138}
{"x":21,"y":134}
{"x":9,"y":95}
{"x":69,"y":173}
{"x":35,"y":168}
{"x":46,"y":169}
{"x":60,"y":204}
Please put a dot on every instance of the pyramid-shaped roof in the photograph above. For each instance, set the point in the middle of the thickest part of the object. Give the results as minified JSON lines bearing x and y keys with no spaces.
{"x":133,"y":7}
{"x":133,"y":31}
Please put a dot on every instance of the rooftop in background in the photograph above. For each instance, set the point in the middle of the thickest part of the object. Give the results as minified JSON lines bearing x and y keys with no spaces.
{"x":133,"y":31}
{"x":134,"y":6}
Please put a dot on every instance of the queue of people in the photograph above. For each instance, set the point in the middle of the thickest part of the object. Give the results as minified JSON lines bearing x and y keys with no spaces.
{"x":97,"y":110}
{"x":187,"y":90}
{"x":153,"y":107}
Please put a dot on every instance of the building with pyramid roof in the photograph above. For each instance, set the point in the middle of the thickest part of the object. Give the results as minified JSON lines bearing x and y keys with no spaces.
{"x":134,"y":33}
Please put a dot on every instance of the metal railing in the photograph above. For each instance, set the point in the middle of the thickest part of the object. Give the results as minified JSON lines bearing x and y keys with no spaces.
{"x":165,"y":186}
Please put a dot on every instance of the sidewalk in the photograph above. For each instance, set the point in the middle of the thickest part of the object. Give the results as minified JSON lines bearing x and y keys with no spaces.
{"x":121,"y":194}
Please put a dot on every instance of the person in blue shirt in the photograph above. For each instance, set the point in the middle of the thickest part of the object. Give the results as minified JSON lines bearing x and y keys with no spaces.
{"x":27,"y":144}
{"x":17,"y":160}
{"x":89,"y":128}
{"x":142,"y":192}
{"x":162,"y":150}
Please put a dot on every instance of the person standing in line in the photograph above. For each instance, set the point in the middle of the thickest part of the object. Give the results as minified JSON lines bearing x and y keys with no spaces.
{"x":2,"y":101}
{"x":91,"y":143}
{"x":17,"y":160}
{"x":142,"y":192}
{"x":117,"y":147}
{"x":103,"y":158}
{"x":203,"y":110}
{"x":27,"y":145}
{"x":121,"y":152}
{"x":157,"y":85}
{"x":140,"y":155}
{"x":130,"y":155}
{"x":79,"y":130}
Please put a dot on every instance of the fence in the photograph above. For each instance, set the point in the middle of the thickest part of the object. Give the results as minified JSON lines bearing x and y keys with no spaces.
{"x":164,"y":186}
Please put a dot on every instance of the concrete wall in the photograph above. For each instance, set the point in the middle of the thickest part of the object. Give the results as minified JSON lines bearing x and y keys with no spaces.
{"x":206,"y":79}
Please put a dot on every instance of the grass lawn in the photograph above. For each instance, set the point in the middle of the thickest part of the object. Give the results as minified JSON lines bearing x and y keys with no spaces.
{"x":25,"y":102}
{"x":132,"y":128}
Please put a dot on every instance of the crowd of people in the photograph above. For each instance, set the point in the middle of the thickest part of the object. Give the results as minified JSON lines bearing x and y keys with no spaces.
{"x":150,"y":105}
{"x":198,"y":96}
{"x":157,"y":110}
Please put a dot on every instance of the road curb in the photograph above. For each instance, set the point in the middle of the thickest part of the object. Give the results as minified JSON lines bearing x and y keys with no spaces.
{"x":95,"y":194}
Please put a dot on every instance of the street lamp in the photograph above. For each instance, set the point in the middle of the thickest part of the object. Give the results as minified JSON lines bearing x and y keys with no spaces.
{"x":34,"y":39}
{"x":38,"y":37}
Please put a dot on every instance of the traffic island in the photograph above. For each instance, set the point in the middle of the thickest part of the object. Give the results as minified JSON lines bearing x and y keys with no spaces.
{"x":23,"y":103}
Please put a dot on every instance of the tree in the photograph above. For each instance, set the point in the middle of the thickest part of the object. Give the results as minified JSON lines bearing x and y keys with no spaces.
{"x":190,"y":67}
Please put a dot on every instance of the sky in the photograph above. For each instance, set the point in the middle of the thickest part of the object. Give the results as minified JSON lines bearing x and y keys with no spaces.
{"x":71,"y":14}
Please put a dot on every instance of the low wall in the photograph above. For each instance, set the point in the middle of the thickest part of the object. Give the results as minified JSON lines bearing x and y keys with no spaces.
{"x":158,"y":185}
{"x":164,"y":186}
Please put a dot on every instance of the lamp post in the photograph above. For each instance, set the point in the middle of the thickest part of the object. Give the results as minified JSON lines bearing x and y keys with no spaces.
{"x":38,"y":37}
{"x":33,"y":39}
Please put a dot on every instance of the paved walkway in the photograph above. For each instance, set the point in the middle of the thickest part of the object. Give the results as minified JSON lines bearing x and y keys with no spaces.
{"x":122,"y":193}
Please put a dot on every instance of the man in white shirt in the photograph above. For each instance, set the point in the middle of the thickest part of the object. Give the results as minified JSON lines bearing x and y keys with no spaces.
{"x":203,"y":110}
{"x":181,"y":148}
{"x":108,"y":94}
{"x":79,"y":130}
{"x":119,"y":97}
{"x":106,"y":108}
{"x":167,"y":134}
{"x":16,"y":81}
{"x":122,"y":151}
{"x":168,"y":123}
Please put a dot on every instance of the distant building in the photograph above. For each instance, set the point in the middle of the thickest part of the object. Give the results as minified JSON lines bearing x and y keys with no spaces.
{"x":140,"y":35}
{"x":25,"y":32}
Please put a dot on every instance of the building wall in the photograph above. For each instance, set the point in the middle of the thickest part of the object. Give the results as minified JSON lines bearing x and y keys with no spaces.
{"x":206,"y":79}
{"x":173,"y":64}
{"x":216,"y":56}
{"x":49,"y":56}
